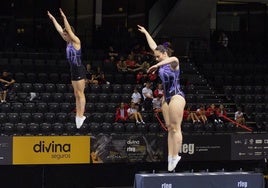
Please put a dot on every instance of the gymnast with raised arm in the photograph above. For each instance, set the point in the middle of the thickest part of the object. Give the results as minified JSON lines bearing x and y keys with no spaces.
{"x":78,"y":70}
{"x":174,"y":100}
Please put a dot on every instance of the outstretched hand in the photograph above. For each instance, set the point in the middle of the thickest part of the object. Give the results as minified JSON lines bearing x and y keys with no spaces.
{"x":62,"y":13}
{"x":141,"y":29}
{"x":152,"y":69}
{"x":50,"y":15}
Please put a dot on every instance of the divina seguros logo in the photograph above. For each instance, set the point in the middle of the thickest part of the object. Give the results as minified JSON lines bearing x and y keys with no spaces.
{"x":57,"y":150}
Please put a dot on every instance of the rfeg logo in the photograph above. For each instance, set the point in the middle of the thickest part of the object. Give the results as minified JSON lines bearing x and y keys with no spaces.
{"x":243,"y":184}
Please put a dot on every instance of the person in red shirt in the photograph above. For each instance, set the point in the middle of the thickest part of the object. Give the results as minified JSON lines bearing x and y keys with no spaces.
{"x":121,"y":114}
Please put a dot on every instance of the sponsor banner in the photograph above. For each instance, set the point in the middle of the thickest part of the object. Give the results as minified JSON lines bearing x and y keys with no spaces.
{"x":128,"y":148}
{"x":249,"y":146}
{"x":5,"y":150}
{"x":206,"y":147}
{"x":51,"y":149}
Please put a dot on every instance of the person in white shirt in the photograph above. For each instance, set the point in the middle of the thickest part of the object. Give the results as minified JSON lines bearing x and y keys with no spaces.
{"x":133,"y":113}
{"x":147,"y":94}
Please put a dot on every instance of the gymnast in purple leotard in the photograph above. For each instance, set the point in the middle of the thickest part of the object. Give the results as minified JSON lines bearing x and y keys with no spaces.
{"x":78,"y":71}
{"x":174,"y":101}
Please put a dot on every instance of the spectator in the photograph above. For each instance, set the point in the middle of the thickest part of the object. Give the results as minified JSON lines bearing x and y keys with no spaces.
{"x":6,"y":83}
{"x":157,"y":103}
{"x":133,"y":113}
{"x":239,"y":116}
{"x":189,"y":115}
{"x":201,"y":113}
{"x":91,"y":75}
{"x":121,"y":114}
{"x":159,"y":92}
{"x":221,"y":112}
{"x":100,"y":76}
{"x":121,"y":65}
{"x":136,"y":96}
{"x":147,"y":97}
{"x":212,"y":115}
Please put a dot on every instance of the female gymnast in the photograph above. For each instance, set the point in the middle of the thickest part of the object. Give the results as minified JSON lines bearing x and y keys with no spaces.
{"x":78,"y":70}
{"x":174,"y":100}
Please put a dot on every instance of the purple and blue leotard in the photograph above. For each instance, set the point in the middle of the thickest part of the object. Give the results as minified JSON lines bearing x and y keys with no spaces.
{"x":171,"y":82}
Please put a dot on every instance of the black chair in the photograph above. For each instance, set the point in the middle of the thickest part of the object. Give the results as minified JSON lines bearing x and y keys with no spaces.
{"x":259,"y":90}
{"x":106,"y":88}
{"x":58,"y":97}
{"x":37,"y":117}
{"x":53,"y":107}
{"x":20,"y":77}
{"x":249,"y":98}
{"x":249,"y":89}
{"x":95,"y":127}
{"x":126,"y":97}
{"x":153,"y":128}
{"x":61,"y":117}
{"x":25,"y":118}
{"x":41,"y":107}
{"x":49,"y":117}
{"x":70,"y":128}
{"x":3,"y":118}
{"x":5,"y":108}
{"x":95,"y":88}
{"x":111,"y":107}
{"x":100,"y":107}
{"x":97,"y":117}
{"x":21,"y":128}
{"x":130,"y":127}
{"x":116,"y":88}
{"x":38,"y":87}
{"x":66,"y":107}
{"x":65,"y":78}
{"x":22,"y":96}
{"x":118,"y":127}
{"x":13,"y":117}
{"x":69,"y":97}
{"x":45,"y":128}
{"x":54,"y":77}
{"x":58,"y":128}
{"x":61,"y":88}
{"x":92,"y":97}
{"x":104,"y":97}
{"x":8,"y":128}
{"x":106,"y":127}
{"x":31,"y":77}
{"x":109,"y":117}
{"x":16,"y":87}
{"x":27,"y":87}
{"x":50,"y":87}
{"x":45,"y":97}
{"x":17,"y":107}
{"x":29,"y":107}
{"x":259,"y":98}
{"x":42,"y":78}
{"x":127,"y":88}
{"x":90,"y":107}
{"x":116,"y":98}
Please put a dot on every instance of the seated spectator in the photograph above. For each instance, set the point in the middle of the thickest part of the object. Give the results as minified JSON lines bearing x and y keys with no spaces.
{"x":91,"y":75}
{"x":157,"y":104}
{"x":121,"y":65}
{"x":159,"y":92}
{"x":201,"y":113}
{"x":6,"y":83}
{"x":239,"y":116}
{"x":141,"y":77}
{"x":221,"y":112}
{"x":212,"y":115}
{"x":147,"y":94}
{"x":136,"y":96}
{"x":190,"y":115}
{"x":121,"y":114}
{"x":100,"y":76}
{"x":134,"y":114}
{"x":112,"y":53}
